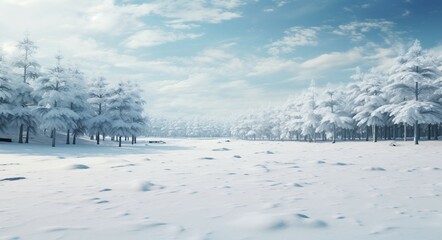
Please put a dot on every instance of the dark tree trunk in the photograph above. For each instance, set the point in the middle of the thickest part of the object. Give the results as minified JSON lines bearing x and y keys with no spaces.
{"x":119,"y":141}
{"x":74,"y":138}
{"x":20,"y":134}
{"x":133,"y":139}
{"x":394,"y":132}
{"x":429,"y":131}
{"x":28,"y":129}
{"x":436,"y":131}
{"x":416,"y":132}
{"x":54,"y":132}
{"x":98,"y":138}
{"x":405,"y":131}
{"x":368,"y":132}
{"x":416,"y":123}
{"x":67,"y":136}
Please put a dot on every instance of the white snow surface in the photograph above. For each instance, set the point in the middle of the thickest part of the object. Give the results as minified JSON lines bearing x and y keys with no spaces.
{"x":214,"y":189}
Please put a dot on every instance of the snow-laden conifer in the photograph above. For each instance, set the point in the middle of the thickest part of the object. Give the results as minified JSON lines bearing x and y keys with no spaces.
{"x":99,"y":94}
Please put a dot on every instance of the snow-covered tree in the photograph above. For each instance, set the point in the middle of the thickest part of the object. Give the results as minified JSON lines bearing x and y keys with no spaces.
{"x":29,"y":67}
{"x":120,"y":112}
{"x":138,"y":120}
{"x":310,"y":117}
{"x":368,"y":101}
{"x":99,"y":94}
{"x":78,"y":103}
{"x":54,"y":107}
{"x":26,"y":61}
{"x":411,"y":85}
{"x":7,"y":93}
{"x":333,"y":115}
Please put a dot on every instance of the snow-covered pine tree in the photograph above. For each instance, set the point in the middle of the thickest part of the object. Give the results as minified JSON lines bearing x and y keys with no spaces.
{"x":139,"y":121}
{"x":29,"y":67}
{"x":54,"y":106}
{"x":333,"y":114}
{"x":78,"y":103}
{"x":411,"y":85}
{"x":310,"y":118}
{"x":119,"y":109}
{"x":22,"y":114}
{"x":368,"y":101}
{"x":99,"y":94}
{"x":7,"y":93}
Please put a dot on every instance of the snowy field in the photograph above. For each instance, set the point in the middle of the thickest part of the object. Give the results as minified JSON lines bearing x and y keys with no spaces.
{"x":213,"y":189}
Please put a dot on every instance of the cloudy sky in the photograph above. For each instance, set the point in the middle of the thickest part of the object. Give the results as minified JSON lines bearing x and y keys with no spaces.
{"x":220,"y":57}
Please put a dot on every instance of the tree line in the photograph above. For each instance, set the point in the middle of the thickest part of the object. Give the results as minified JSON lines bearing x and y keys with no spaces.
{"x":404,"y":102}
{"x":58,"y":99}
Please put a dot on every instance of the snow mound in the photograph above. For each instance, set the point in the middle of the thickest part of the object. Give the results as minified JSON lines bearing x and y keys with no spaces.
{"x":221,"y":149}
{"x":236,"y":156}
{"x":342,"y":164}
{"x":375,"y":169}
{"x":258,"y":221}
{"x":78,"y":166}
{"x":207,"y":158}
{"x":146,"y":186}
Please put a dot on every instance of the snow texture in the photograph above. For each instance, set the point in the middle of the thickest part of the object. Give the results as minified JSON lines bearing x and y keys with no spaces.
{"x":355,"y":190}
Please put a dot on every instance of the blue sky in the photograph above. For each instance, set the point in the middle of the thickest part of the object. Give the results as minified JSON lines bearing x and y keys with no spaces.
{"x":221,"y":58}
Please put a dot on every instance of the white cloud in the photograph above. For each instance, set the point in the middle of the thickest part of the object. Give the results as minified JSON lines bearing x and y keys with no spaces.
{"x":267,"y":66}
{"x":334,"y":59}
{"x":183,"y":11}
{"x":280,"y":3}
{"x":154,"y":37}
{"x":294,"y":37}
{"x":406,"y":13}
{"x":357,"y":30}
{"x":182,"y":26}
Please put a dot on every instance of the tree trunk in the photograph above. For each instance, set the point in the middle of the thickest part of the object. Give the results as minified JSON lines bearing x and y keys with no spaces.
{"x":20,"y":134}
{"x":92,"y":136}
{"x":54,"y":132}
{"x":133,"y":139}
{"x":405,"y":132}
{"x":368,"y":130}
{"x":98,"y":138}
{"x":394,"y":131}
{"x":103,"y":136}
{"x":119,"y":141}
{"x":28,"y":129}
{"x":429,"y":131}
{"x":67,"y":136}
{"x":416,"y":132}
{"x":436,"y":131}
{"x":375,"y":135}
{"x":74,"y":138}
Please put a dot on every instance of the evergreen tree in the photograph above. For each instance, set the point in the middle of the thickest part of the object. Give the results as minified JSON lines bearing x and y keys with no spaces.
{"x":23,"y":115}
{"x":119,"y":110}
{"x":54,"y":107}
{"x":7,"y":94}
{"x":98,"y":98}
{"x":411,"y":86}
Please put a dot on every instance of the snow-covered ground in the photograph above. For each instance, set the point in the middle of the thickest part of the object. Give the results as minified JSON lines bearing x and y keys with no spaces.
{"x":213,"y":189}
